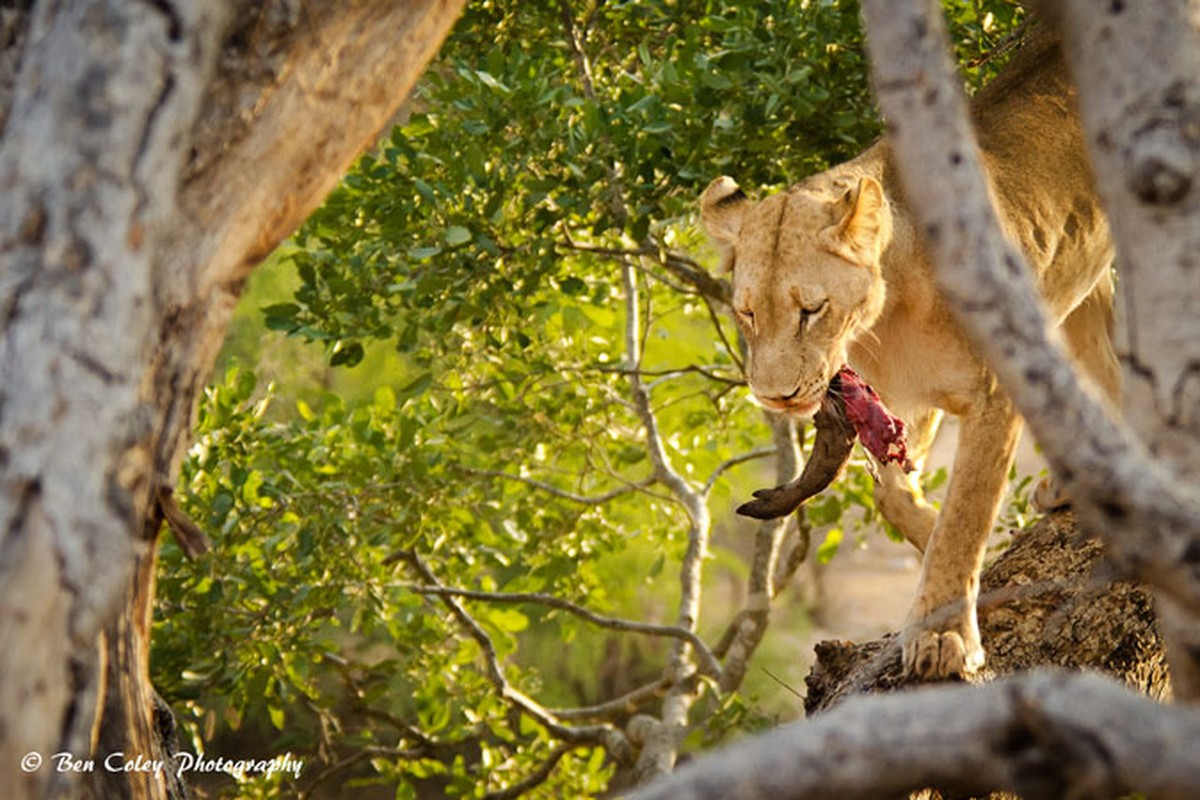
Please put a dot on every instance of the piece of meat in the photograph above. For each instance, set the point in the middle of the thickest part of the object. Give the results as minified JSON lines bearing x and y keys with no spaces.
{"x":830,"y":452}
{"x":881,"y":433}
{"x":851,"y":409}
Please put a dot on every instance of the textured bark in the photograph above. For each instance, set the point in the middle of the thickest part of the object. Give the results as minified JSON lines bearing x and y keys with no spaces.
{"x":1143,"y":116}
{"x":1045,"y":736}
{"x":1050,"y":600}
{"x":153,"y":153}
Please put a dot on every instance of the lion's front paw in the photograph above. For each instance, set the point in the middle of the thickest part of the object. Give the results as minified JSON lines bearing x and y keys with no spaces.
{"x":935,"y":656}
{"x":931,"y":654}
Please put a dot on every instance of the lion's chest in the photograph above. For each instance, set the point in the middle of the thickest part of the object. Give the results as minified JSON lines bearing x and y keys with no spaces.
{"x":916,"y":364}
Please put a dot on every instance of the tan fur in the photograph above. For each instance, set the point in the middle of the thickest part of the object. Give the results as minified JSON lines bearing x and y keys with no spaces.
{"x":832,"y":272}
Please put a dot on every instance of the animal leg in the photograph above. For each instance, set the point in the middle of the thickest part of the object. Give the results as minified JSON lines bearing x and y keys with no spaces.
{"x":898,"y":493}
{"x":1088,"y":331}
{"x":941,"y":637}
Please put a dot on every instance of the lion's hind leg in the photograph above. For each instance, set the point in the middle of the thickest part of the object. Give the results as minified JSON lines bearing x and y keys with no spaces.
{"x":1088,"y":331}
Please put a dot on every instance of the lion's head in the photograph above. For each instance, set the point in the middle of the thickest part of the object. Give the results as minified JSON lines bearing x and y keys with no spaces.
{"x":806,"y":278}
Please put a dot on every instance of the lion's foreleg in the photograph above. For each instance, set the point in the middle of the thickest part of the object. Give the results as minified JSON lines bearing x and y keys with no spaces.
{"x":941,"y":638}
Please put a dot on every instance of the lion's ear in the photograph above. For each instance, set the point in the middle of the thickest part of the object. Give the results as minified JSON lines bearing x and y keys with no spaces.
{"x":721,"y":208}
{"x":862,"y":232}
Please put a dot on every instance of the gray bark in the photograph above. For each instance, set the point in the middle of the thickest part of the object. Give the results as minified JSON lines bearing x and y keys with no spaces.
{"x":1042,"y":735}
{"x":152,"y":155}
{"x":1139,"y":97}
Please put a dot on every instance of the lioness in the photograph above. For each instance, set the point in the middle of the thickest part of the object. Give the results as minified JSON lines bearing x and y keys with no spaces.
{"x":832,"y":272}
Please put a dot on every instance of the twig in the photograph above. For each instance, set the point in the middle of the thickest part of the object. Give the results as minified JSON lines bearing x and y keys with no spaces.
{"x":587,"y":500}
{"x":1010,"y":41}
{"x":673,"y":372}
{"x":709,"y":663}
{"x":730,"y":463}
{"x":782,"y":683}
{"x":734,"y":353}
{"x":613,"y":740}
{"x":366,"y":752}
{"x":626,"y":704}
{"x":535,"y":778}
{"x":677,"y":264}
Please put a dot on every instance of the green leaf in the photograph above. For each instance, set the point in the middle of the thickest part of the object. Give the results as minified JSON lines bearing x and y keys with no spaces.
{"x":456,"y":235}
{"x":417,"y":387}
{"x":422,"y":253}
{"x":829,"y":546}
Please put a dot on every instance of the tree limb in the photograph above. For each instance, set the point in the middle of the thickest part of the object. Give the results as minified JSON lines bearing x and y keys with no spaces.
{"x":708,"y":661}
{"x":531,"y":781}
{"x":730,"y":463}
{"x":1143,"y":116}
{"x":1044,"y":735}
{"x":663,"y":736}
{"x":612,"y":739}
{"x":622,"y":706}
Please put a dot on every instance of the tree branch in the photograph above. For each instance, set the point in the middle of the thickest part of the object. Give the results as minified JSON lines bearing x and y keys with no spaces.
{"x":586,"y":500}
{"x":1042,"y":735}
{"x":533,"y":780}
{"x":662,"y":737}
{"x":1141,"y":115}
{"x":730,"y":463}
{"x":679,"y":265}
{"x":612,"y":739}
{"x":1113,"y":481}
{"x":709,"y":663}
{"x":626,"y":704}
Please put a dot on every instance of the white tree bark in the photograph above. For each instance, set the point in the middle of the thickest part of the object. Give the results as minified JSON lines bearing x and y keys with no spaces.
{"x":148,"y":164}
{"x":1137,"y":66}
{"x":90,"y":161}
{"x":1043,"y":735}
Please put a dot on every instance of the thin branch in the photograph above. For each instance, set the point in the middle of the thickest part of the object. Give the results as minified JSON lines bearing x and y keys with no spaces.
{"x":1043,"y":734}
{"x":535,"y":778}
{"x":627,"y":704}
{"x":679,"y":265}
{"x":734,"y":353}
{"x":663,"y":736}
{"x":586,"y":500}
{"x":362,"y":754}
{"x":709,"y":663}
{"x":663,"y":469}
{"x":613,"y":740}
{"x":674,"y":372}
{"x":1011,"y":40}
{"x":730,"y":463}
{"x":745,"y":633}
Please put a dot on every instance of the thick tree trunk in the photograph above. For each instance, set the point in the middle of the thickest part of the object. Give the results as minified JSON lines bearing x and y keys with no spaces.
{"x":1143,"y":115}
{"x":152,"y":155}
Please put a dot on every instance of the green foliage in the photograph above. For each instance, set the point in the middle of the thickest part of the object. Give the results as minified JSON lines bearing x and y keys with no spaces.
{"x":515,"y":150}
{"x":468,"y":274}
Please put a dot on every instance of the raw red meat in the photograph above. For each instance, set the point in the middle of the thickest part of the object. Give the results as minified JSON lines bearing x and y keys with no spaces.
{"x":851,"y":409}
{"x":878,"y":429}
